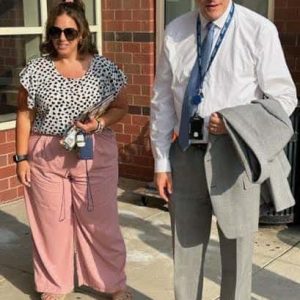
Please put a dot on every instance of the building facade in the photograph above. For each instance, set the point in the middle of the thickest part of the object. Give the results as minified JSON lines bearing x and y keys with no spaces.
{"x":129,"y":32}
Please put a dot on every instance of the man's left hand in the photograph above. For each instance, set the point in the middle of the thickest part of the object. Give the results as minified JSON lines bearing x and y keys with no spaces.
{"x":216,"y":125}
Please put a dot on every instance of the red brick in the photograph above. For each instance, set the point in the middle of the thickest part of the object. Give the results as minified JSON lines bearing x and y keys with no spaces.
{"x":119,"y":127}
{"x":132,"y":69}
{"x":3,"y":160}
{"x":148,"y":4}
{"x":4,"y":184}
{"x":113,"y":47}
{"x":10,"y":136}
{"x":132,"y":47}
{"x":142,"y":15}
{"x":298,"y":63}
{"x":2,"y":137}
{"x":291,"y":50}
{"x":148,"y":70}
{"x":8,"y":195}
{"x":7,"y":171}
{"x":14,"y":182}
{"x":296,"y":76}
{"x":142,"y":79}
{"x":132,"y":4}
{"x":143,"y":58}
{"x":112,"y":26}
{"x":20,"y":191}
{"x":147,"y":90}
{"x":140,"y":120}
{"x":280,"y":3}
{"x":108,"y":15}
{"x":148,"y":26}
{"x":121,"y":15}
{"x":293,"y":3}
{"x":293,"y":26}
{"x":10,"y":159}
{"x":141,"y":100}
{"x":134,"y":89}
{"x":113,"y":4}
{"x":123,"y":58}
{"x":132,"y":129}
{"x":109,"y":55}
{"x":127,"y":119}
{"x":132,"y":26}
{"x":281,"y":26}
{"x":129,"y":78}
{"x":148,"y":48}
{"x":123,"y":138}
{"x":7,"y":148}
{"x":284,"y":14}
{"x":143,"y":161}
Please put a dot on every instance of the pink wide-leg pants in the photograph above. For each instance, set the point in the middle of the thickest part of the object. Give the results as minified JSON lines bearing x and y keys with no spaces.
{"x":72,"y":208}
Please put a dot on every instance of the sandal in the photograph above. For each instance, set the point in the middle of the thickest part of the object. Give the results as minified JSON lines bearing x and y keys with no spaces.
{"x":122,"y":295}
{"x":49,"y":296}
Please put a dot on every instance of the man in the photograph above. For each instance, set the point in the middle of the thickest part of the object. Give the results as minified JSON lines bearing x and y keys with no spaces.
{"x":220,"y":56}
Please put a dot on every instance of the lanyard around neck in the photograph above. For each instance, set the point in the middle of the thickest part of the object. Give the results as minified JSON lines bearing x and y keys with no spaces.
{"x":199,"y":94}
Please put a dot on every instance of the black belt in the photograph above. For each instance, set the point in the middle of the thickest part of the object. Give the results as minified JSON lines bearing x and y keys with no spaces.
{"x":201,"y":147}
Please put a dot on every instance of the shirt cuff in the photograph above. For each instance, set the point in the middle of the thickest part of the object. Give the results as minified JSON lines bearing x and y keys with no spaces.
{"x":162,"y":165}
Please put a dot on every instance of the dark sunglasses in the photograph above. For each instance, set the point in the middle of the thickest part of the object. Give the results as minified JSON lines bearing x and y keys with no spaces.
{"x":70,"y":33}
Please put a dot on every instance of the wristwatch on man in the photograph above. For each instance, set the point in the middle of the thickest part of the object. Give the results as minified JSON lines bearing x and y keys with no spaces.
{"x":18,"y":158}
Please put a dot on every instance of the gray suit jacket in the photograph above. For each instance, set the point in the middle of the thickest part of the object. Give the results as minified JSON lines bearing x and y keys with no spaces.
{"x":238,"y":163}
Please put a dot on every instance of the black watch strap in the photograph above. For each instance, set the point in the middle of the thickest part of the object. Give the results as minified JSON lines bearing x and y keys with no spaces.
{"x":18,"y":158}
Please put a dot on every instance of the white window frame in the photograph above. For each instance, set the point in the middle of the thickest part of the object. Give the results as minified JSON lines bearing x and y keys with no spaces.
{"x":160,"y":22}
{"x":39,"y":30}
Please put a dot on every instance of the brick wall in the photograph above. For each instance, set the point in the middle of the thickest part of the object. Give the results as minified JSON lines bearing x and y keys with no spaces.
{"x":129,"y":40}
{"x":287,"y":20}
{"x":10,"y":188}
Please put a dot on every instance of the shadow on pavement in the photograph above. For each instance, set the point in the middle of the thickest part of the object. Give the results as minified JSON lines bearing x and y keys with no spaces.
{"x":16,"y":263}
{"x":272,"y":286}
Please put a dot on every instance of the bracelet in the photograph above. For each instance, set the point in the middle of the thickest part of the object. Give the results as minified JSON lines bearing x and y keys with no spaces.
{"x":100,"y":127}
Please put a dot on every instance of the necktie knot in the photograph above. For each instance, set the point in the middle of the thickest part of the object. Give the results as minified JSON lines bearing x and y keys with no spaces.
{"x":210,"y":25}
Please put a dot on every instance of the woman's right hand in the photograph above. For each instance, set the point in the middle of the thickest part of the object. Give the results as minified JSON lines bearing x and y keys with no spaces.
{"x":23,"y":172}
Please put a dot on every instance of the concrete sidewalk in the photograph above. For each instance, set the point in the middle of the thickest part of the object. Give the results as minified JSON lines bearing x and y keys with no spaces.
{"x":276,"y":268}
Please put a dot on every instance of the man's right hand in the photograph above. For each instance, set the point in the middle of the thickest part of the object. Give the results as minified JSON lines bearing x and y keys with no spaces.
{"x":163,"y":181}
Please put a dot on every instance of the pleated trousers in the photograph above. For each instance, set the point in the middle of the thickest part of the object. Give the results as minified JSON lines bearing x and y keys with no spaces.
{"x":72,"y":211}
{"x":191,"y":216}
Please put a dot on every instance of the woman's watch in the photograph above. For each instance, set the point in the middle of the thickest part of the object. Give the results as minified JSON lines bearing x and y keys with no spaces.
{"x":100,"y":126}
{"x":18,"y":158}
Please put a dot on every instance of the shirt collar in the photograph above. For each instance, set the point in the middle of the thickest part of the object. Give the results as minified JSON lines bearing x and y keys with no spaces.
{"x":219,"y":22}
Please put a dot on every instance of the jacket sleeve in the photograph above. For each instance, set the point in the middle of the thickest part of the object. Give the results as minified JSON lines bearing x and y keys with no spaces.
{"x":163,"y":115}
{"x":273,"y":75}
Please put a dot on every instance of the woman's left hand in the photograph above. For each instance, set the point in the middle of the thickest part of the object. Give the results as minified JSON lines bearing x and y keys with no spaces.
{"x":88,"y":126}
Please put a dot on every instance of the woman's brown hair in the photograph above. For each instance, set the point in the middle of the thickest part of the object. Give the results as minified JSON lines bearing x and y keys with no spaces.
{"x":76,"y":11}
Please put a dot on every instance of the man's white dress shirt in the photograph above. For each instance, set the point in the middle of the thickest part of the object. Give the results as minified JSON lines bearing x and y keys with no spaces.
{"x":249,"y":65}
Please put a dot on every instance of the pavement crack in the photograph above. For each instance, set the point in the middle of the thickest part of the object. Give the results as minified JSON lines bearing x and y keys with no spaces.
{"x":276,"y":258}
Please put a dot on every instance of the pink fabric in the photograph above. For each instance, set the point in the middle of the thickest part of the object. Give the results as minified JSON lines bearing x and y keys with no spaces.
{"x":64,"y":216}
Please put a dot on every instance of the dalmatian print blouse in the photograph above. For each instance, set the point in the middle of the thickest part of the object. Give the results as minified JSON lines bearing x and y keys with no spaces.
{"x":58,"y":100}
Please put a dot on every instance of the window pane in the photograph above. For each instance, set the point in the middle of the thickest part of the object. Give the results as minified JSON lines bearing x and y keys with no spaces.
{"x":260,"y":6}
{"x":15,"y":51}
{"x":19,"y":13}
{"x":89,"y":9}
{"x":175,"y":8}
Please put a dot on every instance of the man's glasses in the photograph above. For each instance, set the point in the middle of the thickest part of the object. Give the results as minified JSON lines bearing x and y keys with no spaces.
{"x":70,"y":33}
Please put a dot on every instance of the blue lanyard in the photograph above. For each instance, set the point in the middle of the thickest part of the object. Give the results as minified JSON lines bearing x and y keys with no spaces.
{"x":199,"y":93}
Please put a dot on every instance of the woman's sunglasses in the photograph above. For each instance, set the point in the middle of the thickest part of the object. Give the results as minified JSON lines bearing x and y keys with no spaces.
{"x":70,"y":33}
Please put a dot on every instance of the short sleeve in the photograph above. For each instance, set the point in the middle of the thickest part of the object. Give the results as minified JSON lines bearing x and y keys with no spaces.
{"x":27,"y":80}
{"x":117,"y":79}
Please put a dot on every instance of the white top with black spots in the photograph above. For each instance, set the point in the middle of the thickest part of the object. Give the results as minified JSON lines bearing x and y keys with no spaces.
{"x":59,"y":100}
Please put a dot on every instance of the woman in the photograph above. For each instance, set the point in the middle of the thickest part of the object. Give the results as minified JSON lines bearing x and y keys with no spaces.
{"x":71,"y":202}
